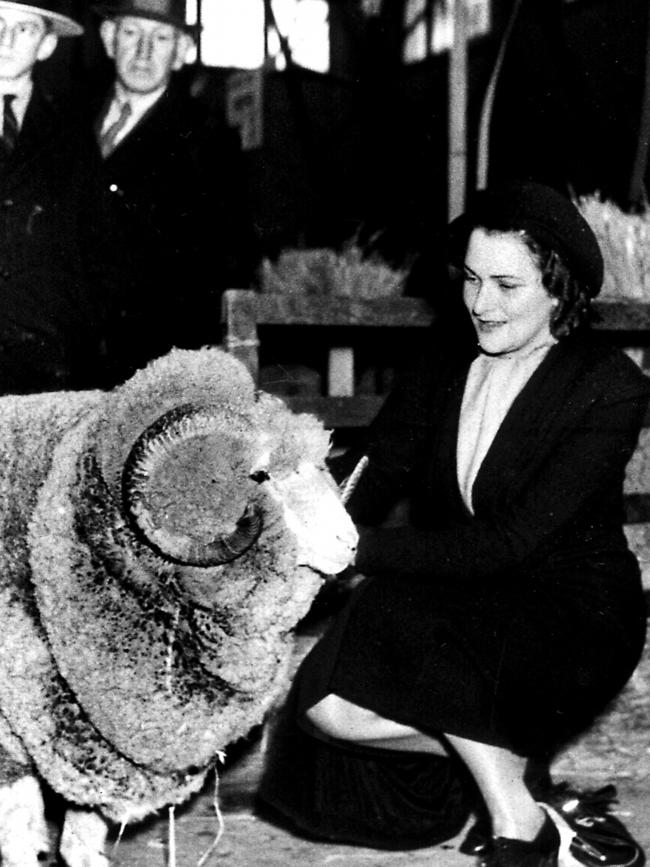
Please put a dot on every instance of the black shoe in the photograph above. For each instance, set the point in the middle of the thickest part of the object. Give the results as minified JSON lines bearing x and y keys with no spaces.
{"x":540,"y":852}
{"x":591,"y":835}
{"x":556,"y":795}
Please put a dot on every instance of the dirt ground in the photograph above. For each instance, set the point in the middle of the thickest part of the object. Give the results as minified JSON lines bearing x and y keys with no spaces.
{"x":616,"y":750}
{"x":247,"y":841}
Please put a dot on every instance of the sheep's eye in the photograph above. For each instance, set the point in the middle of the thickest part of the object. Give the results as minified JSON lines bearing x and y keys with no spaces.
{"x":260,"y":476}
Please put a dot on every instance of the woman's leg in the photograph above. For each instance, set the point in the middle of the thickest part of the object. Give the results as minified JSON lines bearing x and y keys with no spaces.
{"x":339,"y":718}
{"x":499,"y":773}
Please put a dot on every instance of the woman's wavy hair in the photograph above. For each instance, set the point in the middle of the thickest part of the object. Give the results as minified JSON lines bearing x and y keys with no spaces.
{"x":574,"y":310}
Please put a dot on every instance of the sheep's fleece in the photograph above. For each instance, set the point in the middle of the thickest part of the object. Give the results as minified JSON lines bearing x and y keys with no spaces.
{"x":123,"y":672}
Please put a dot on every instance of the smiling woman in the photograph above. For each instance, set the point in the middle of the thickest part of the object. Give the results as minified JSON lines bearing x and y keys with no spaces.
{"x":503,"y":291}
{"x":507,"y":609}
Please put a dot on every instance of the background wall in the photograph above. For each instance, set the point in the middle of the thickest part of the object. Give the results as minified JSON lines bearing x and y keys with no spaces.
{"x":364,"y":148}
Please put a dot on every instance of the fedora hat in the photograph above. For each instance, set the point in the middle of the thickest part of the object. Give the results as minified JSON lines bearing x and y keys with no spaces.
{"x":57,"y":12}
{"x":167,"y":11}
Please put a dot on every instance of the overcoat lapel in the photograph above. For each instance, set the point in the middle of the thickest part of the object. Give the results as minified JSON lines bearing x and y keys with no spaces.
{"x":147,"y":136}
{"x":101,"y":115}
{"x":38,"y":133}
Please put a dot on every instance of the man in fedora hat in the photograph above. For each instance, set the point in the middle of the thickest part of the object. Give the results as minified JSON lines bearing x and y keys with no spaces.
{"x":177,"y":178}
{"x":57,"y":274}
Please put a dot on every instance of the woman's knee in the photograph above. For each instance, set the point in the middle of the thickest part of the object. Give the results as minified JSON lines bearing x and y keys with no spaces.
{"x":341,"y":719}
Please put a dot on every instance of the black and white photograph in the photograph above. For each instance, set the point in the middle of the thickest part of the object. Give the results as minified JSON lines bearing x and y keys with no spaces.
{"x":324,"y":433}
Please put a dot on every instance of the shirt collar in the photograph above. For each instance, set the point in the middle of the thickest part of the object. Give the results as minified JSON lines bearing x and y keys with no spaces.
{"x":140,"y":102}
{"x":23,"y":93}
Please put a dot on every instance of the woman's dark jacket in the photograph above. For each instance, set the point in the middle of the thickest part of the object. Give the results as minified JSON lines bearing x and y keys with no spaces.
{"x":549,"y":492}
{"x":513,"y":626}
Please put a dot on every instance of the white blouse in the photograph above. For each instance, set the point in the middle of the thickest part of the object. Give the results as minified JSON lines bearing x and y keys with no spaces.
{"x":493,"y":382}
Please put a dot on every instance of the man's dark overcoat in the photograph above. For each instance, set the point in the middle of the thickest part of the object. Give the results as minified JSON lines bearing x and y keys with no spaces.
{"x":60,"y":255}
{"x":178,"y":181}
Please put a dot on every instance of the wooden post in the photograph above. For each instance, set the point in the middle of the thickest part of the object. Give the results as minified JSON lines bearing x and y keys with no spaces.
{"x":483,"y":155}
{"x":457,"y":155}
{"x":340,"y":372}
{"x":239,"y":319}
{"x":637,"y":194}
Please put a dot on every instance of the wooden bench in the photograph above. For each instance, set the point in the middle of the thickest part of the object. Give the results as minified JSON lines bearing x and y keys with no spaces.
{"x":244,"y":312}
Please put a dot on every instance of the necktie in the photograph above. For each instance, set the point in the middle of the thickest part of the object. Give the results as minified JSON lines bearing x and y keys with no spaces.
{"x":107,"y":139}
{"x":9,"y":124}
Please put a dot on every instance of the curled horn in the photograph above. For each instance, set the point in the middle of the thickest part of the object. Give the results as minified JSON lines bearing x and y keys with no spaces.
{"x":152,"y":490}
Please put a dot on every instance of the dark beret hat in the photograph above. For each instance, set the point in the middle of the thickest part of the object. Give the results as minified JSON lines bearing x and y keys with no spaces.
{"x":546,"y":215}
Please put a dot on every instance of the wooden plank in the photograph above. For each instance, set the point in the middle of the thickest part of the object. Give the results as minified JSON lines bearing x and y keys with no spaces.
{"x":622,"y":315}
{"x":338,"y":412}
{"x":398,"y":312}
{"x":241,"y":306}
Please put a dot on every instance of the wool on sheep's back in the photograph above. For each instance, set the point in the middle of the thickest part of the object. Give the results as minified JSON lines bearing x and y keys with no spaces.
{"x":39,"y":711}
{"x":123,"y":675}
{"x":136,"y":661}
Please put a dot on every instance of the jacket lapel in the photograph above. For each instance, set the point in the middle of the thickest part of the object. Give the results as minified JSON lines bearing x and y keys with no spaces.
{"x":535,"y":417}
{"x":444,"y":471}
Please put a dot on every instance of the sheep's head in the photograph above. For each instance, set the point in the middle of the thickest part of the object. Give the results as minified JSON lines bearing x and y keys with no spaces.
{"x":303,"y":487}
{"x":194,"y":482}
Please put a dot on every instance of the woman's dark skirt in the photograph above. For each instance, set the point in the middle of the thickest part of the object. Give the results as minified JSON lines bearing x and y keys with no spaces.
{"x":341,"y":792}
{"x":519,"y":666}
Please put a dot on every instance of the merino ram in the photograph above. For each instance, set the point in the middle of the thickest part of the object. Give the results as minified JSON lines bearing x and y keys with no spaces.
{"x":158,"y":544}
